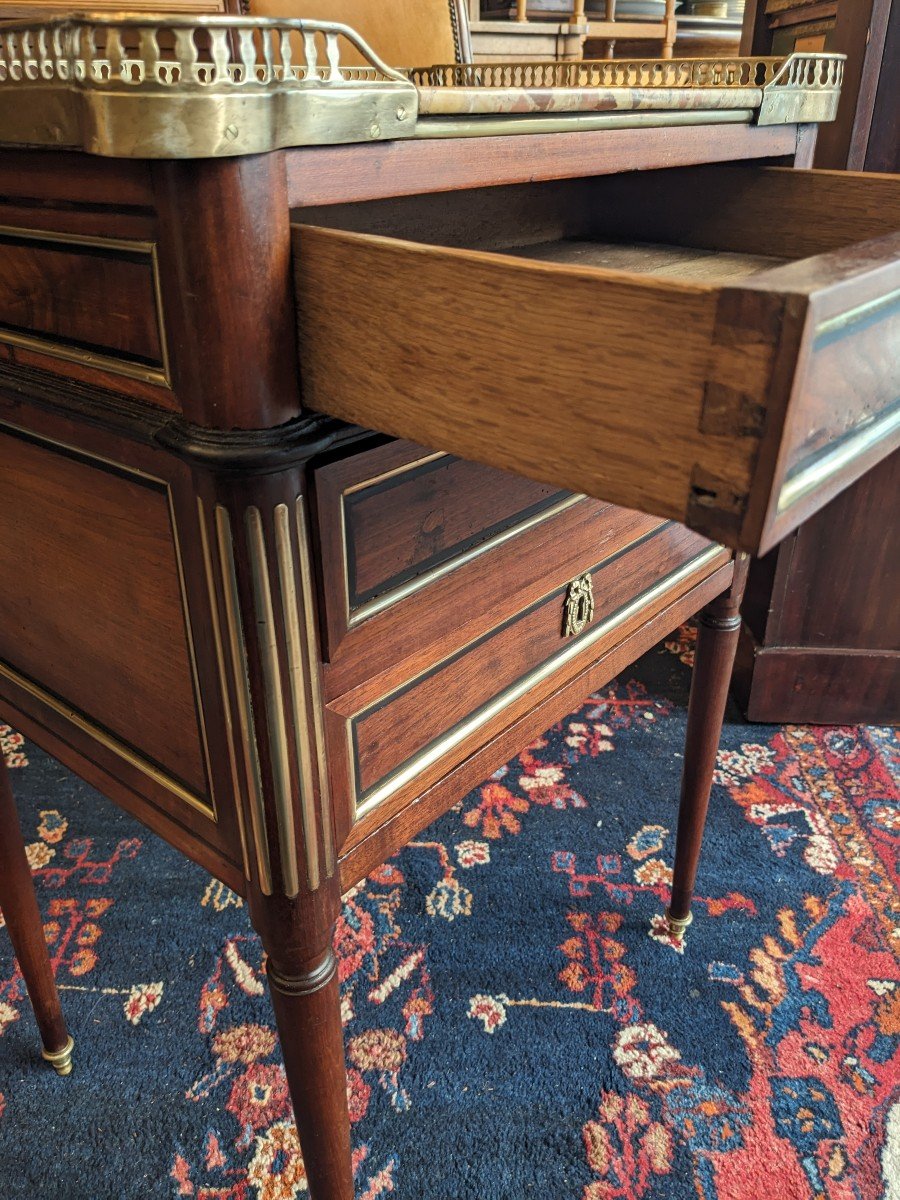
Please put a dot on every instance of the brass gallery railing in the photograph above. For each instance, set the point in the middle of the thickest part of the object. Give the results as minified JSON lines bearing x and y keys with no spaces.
{"x":195,"y":87}
{"x":209,"y":86}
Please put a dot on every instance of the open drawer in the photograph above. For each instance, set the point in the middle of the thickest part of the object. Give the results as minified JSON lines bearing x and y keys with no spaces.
{"x":719,"y":345}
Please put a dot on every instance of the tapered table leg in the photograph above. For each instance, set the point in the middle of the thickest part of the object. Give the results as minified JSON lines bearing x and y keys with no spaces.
{"x":308,"y":1013}
{"x":18,"y":903}
{"x":719,"y":627}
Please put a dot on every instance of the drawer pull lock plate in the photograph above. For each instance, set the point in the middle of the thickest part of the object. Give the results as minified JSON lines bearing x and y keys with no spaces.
{"x":578,"y":610}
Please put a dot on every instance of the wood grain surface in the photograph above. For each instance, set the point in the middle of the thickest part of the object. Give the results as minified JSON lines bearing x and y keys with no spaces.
{"x":425,"y":517}
{"x":98,"y":297}
{"x":615,"y":416}
{"x":96,"y":615}
{"x":751,"y":209}
{"x":384,"y":831}
{"x":391,"y":730}
{"x":336,"y":174}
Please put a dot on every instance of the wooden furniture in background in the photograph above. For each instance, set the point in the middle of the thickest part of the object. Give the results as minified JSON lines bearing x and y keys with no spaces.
{"x":503,"y":31}
{"x":857,"y":28}
{"x":13,"y":10}
{"x":702,"y":36}
{"x":704,"y":29}
{"x":405,"y":33}
{"x":821,"y":639}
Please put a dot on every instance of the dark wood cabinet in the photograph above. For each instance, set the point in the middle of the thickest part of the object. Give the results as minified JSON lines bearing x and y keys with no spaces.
{"x":821,"y":637}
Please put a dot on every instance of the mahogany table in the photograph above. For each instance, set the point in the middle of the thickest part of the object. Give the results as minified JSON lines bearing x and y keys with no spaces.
{"x":285,"y":642}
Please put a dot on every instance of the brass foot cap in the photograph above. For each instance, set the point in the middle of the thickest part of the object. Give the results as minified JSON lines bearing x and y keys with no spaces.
{"x":60,"y":1060}
{"x":677,"y":925}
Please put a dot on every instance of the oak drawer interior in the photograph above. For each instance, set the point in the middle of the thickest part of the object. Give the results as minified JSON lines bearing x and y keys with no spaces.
{"x":718,"y":345}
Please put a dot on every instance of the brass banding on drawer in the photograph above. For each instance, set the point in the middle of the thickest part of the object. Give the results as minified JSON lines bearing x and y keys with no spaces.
{"x":518,"y":660}
{"x":416,"y":544}
{"x":54,"y":298}
{"x":818,"y":470}
{"x":433,"y":575}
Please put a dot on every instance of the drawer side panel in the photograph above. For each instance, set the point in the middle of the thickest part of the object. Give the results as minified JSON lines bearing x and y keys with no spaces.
{"x":851,"y":394}
{"x":487,"y":356}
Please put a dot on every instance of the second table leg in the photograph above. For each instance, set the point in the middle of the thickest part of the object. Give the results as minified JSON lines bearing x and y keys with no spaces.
{"x":19,"y":905}
{"x":719,"y":627}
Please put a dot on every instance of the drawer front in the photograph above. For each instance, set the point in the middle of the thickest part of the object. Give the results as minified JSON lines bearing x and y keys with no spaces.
{"x":693,"y":386}
{"x":423,"y":551}
{"x":397,"y":517}
{"x":91,"y":301}
{"x":844,"y":407}
{"x":401,"y":738}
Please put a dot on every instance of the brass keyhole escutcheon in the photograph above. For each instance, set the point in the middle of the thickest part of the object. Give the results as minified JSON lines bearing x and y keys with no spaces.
{"x":578,"y":610}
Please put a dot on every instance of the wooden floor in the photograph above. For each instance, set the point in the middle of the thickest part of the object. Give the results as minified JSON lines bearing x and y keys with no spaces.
{"x":649,"y":258}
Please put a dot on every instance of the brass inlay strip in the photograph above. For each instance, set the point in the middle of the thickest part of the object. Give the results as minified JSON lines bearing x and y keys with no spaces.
{"x":78,"y":452}
{"x":160,"y":316}
{"x":396,"y":595}
{"x":84,"y":358}
{"x":307,"y":592}
{"x":297,"y":675}
{"x":433,"y":753}
{"x":107,"y":740}
{"x":853,"y":315}
{"x":90,"y":358}
{"x":244,"y":702}
{"x":504,"y":125}
{"x":223,"y":681}
{"x":77,"y":239}
{"x":355,"y":617}
{"x":404,"y":469}
{"x":192,"y":653}
{"x":267,"y":640}
{"x":430,"y":669}
{"x":827,"y":465}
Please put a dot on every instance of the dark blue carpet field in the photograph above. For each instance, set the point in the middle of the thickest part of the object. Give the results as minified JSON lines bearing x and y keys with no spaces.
{"x":517,"y":1022}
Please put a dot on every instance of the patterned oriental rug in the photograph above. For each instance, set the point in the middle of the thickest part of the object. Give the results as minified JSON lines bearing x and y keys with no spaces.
{"x":517,"y":1022}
